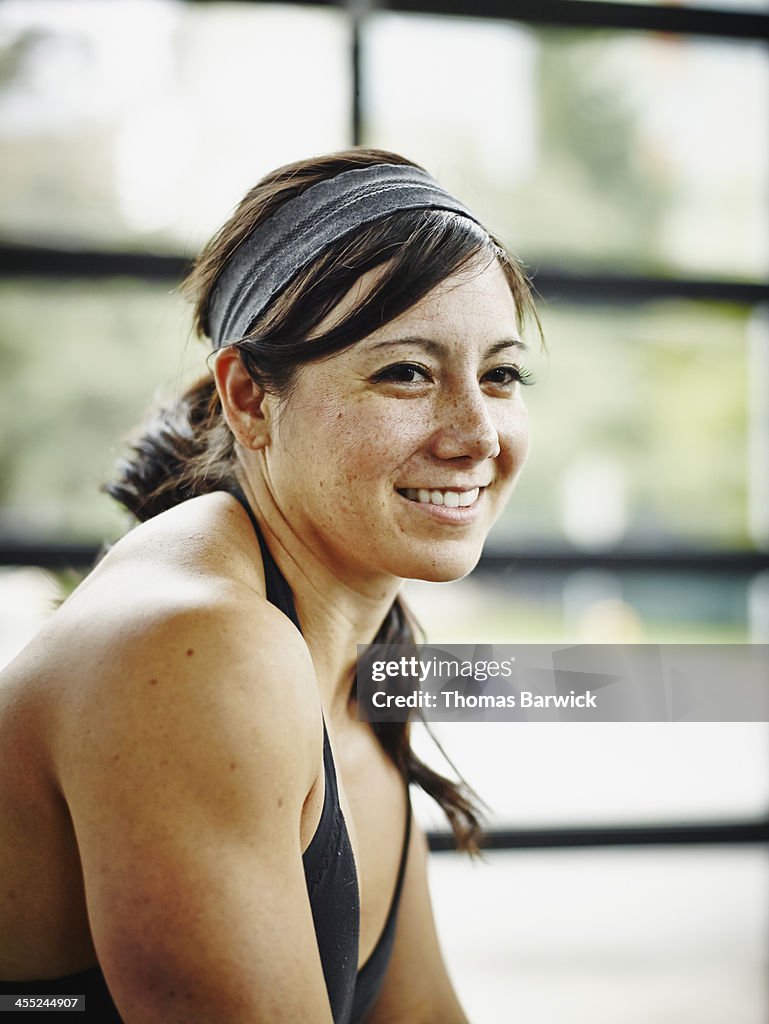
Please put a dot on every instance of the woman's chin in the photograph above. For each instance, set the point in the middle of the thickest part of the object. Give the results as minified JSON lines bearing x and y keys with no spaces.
{"x":442,"y":567}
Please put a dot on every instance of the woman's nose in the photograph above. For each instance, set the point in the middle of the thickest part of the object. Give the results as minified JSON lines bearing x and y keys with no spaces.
{"x":465,"y":428}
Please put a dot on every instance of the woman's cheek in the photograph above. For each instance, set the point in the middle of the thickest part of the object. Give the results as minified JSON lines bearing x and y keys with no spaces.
{"x":521,"y":443}
{"x":377,"y":437}
{"x":514,"y":439}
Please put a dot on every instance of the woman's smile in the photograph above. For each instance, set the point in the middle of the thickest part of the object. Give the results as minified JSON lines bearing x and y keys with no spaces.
{"x":456,"y":497}
{"x":453,"y":506}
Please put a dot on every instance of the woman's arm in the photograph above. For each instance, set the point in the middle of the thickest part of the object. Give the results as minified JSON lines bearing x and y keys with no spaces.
{"x":417,"y":987}
{"x":185,"y":775}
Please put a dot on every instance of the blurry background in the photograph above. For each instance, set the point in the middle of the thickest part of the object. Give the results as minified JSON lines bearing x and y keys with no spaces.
{"x":623,"y":151}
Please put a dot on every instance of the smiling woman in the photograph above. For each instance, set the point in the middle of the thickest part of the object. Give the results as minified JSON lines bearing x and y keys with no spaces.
{"x":188,"y":785}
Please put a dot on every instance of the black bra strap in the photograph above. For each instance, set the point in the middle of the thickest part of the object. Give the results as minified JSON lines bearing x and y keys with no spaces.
{"x":278,"y":591}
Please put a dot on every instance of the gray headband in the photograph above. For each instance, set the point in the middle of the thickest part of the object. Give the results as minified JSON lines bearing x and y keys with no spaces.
{"x":275,"y":251}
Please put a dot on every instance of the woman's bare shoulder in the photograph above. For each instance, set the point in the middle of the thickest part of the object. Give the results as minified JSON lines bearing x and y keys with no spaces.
{"x":205,"y":540}
{"x":194,"y":563}
{"x":173,"y":629}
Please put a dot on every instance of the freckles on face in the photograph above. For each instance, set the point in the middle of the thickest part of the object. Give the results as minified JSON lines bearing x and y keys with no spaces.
{"x":356,"y":440}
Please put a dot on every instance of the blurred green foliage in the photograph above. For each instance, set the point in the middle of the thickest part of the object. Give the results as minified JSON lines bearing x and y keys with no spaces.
{"x":81,"y":364}
{"x":658,"y":390}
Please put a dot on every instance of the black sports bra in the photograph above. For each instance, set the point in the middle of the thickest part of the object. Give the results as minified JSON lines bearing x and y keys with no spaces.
{"x":332,"y":887}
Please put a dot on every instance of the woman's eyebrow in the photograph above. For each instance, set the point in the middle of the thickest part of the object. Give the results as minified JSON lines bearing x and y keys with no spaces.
{"x":437,"y":348}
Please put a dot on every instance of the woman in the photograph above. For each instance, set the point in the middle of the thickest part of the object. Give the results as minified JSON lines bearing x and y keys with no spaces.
{"x":192,"y":810}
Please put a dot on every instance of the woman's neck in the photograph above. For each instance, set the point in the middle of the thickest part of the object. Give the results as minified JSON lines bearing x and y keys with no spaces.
{"x":336,"y":613}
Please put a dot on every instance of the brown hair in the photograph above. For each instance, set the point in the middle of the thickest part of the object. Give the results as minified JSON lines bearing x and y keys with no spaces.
{"x":187,"y":450}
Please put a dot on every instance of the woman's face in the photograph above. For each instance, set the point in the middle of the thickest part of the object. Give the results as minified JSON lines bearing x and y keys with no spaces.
{"x":395,"y":456}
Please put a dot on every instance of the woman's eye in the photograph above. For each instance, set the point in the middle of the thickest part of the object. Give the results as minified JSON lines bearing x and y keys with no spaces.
{"x":403,"y":373}
{"x":506,"y":375}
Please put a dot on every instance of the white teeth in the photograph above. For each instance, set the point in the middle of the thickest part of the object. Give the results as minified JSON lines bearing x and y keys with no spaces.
{"x":450,"y":499}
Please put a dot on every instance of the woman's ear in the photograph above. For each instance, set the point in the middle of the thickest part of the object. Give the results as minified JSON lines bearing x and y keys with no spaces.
{"x":243,"y":400}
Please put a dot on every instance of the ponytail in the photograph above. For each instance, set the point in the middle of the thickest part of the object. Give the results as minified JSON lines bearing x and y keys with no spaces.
{"x":182,"y":451}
